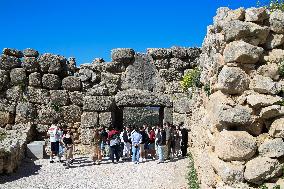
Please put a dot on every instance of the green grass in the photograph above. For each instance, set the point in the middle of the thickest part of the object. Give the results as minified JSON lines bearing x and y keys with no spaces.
{"x":192,"y":175}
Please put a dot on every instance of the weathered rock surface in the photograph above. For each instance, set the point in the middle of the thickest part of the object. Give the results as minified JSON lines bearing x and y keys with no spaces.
{"x":274,"y":40}
{"x":18,"y":76}
{"x":124,"y":55}
{"x":51,"y":81}
{"x":242,"y":52}
{"x":232,"y":80}
{"x":277,"y":128}
{"x":261,"y":168}
{"x":264,"y":85}
{"x":98,"y":103}
{"x":261,"y":100}
{"x":30,"y":64}
{"x":271,"y":111}
{"x":274,"y":56}
{"x":235,"y":145}
{"x":256,"y":14}
{"x":35,"y":79}
{"x":246,"y":31}
{"x":59,"y":97}
{"x":269,"y":70}
{"x":135,"y":97}
{"x":13,"y":52}
{"x":9,"y":62}
{"x":28,"y":52}
{"x":272,"y":148}
{"x":276,"y":21}
{"x":89,"y":119}
{"x":71,"y":83}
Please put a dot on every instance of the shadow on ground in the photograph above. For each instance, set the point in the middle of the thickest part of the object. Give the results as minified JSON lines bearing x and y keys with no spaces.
{"x":26,"y":169}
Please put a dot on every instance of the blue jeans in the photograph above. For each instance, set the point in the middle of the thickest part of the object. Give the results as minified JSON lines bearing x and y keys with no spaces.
{"x":161,"y":153}
{"x":135,"y":153}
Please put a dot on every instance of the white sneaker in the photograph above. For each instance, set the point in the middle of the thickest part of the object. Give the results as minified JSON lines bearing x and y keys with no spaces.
{"x":144,"y":159}
{"x":137,"y":162}
{"x":140,"y":160}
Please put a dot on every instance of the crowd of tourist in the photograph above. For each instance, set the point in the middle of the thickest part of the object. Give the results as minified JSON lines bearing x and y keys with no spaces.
{"x":162,"y":142}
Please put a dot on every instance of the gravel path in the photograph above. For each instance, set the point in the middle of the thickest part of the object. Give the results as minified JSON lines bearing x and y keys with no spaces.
{"x":40,"y":174}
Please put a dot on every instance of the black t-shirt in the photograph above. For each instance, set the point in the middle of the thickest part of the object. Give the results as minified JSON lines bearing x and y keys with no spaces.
{"x":145,"y":137}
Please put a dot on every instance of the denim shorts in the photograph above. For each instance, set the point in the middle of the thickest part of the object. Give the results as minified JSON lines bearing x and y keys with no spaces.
{"x":102,"y":146}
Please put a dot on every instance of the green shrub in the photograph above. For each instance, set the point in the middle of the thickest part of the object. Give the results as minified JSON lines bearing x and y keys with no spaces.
{"x":56,"y":107}
{"x":191,"y":80}
{"x":192,"y":175}
{"x":207,"y":89}
{"x":2,"y":135}
{"x":281,"y":69}
{"x":272,"y":5}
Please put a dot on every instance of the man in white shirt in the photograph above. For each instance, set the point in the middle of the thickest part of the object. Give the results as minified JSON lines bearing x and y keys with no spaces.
{"x":54,"y":136}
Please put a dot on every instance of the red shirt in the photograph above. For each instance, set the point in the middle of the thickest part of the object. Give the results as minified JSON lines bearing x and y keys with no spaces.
{"x":152,"y":136}
{"x":111,"y":133}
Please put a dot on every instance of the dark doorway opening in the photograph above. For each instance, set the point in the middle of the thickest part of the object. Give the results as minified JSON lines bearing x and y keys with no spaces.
{"x":137,"y":116}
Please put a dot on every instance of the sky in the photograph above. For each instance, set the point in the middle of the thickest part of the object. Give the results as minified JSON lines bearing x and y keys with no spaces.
{"x":88,"y":29}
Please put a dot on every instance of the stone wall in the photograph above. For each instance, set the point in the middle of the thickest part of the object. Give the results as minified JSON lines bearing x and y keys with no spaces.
{"x":41,"y":89}
{"x":237,"y":132}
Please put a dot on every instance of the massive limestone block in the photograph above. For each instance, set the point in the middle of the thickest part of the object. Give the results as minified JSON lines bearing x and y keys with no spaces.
{"x":235,"y":116}
{"x":277,"y":128}
{"x":28,"y":52}
{"x":242,"y":52}
{"x":224,"y":14}
{"x":98,"y":90}
{"x":9,"y":62}
{"x":87,"y":74}
{"x":59,"y":97}
{"x":273,"y":148}
{"x":124,"y":55}
{"x":86,"y":136}
{"x":51,"y":81}
{"x":271,"y":111}
{"x":179,"y":52}
{"x":25,"y":112}
{"x":111,"y":81}
{"x":35,"y":79}
{"x":71,"y":114}
{"x":47,"y":115}
{"x":135,"y":97}
{"x":3,"y":79}
{"x":18,"y":76}
{"x":7,"y":106}
{"x":274,"y":40}
{"x":275,"y":56}
{"x":232,"y":80}
{"x":106,"y":119}
{"x":6,"y":118}
{"x":235,"y":145}
{"x":256,"y":14}
{"x":261,"y":100}
{"x":50,"y":63}
{"x":142,"y":74}
{"x":30,"y":64}
{"x":182,"y":104}
{"x":71,"y":83}
{"x":38,"y":96}
{"x":246,"y":31}
{"x":114,"y":67}
{"x":89,"y":119}
{"x":170,"y":74}
{"x":264,"y":85}
{"x":159,"y":53}
{"x":13,"y":52}
{"x":179,"y":64}
{"x":76,"y":98}
{"x":262,"y":168}
{"x":269,"y":70}
{"x":276,"y":21}
{"x":15,"y":93}
{"x":229,"y":172}
{"x":161,"y":63}
{"x":98,"y":103}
